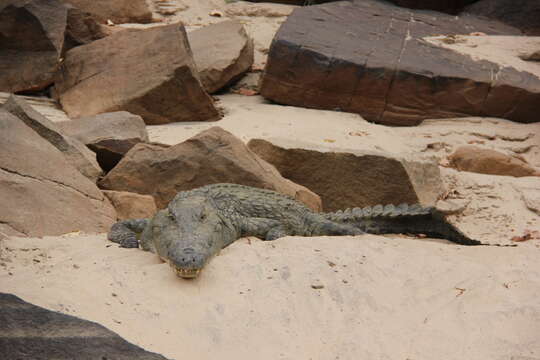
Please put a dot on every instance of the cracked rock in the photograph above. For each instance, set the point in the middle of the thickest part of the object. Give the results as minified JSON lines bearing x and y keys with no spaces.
{"x":384,"y":70}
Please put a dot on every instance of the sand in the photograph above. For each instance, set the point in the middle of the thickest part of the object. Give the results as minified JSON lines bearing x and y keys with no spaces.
{"x":367,"y":297}
{"x":381,"y":298}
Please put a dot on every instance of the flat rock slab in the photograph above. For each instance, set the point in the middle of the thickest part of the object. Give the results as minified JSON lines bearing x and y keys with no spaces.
{"x":41,"y":192}
{"x":109,"y":135}
{"x":117,"y":11}
{"x":31,"y":41}
{"x":28,"y":331}
{"x":222,"y":52}
{"x":213,"y":156}
{"x":346,"y":179}
{"x":383,"y":69}
{"x":148,"y":72}
{"x":75,"y":151}
{"x":449,"y":6}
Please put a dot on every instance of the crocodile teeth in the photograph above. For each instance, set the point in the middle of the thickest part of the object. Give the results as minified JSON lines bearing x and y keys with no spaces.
{"x":187,"y":273}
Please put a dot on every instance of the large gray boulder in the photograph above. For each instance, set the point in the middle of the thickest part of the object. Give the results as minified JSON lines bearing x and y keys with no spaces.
{"x":109,"y":135}
{"x":383,"y":68}
{"x":346,"y":178}
{"x":42,"y":194}
{"x":148,"y":72}
{"x":223,"y":52}
{"x":31,"y":41}
{"x":212,"y":156}
{"x":76,"y":153}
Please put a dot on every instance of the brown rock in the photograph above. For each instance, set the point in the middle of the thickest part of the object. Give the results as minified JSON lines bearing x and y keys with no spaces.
{"x":487,"y":161}
{"x":212,"y":156}
{"x":522,"y":14}
{"x":130,"y":205}
{"x":533,"y":55}
{"x":118,"y":11}
{"x":109,"y":135}
{"x":31,"y":41}
{"x":42,"y":194}
{"x":223,"y":52}
{"x":391,"y":77}
{"x":346,"y":179}
{"x":148,"y":72}
{"x":82,"y":28}
{"x":76,"y":153}
{"x":449,"y":6}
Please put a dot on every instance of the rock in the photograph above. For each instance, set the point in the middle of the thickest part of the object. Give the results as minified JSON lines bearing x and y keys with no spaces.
{"x":223,"y":52}
{"x":82,"y":28}
{"x":452,"y":206}
{"x":391,"y":77}
{"x":31,"y":332}
{"x":531,"y":56}
{"x":212,"y":156}
{"x":42,"y":194}
{"x":76,"y":153}
{"x":148,"y":72}
{"x":118,"y":11}
{"x":522,"y":14}
{"x":109,"y":135}
{"x":487,"y":161}
{"x":346,"y":178}
{"x":531,"y":198}
{"x":130,"y":205}
{"x":258,"y":10}
{"x":31,"y":39}
{"x":449,"y":6}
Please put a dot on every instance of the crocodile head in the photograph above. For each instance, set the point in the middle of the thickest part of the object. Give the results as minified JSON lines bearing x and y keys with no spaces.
{"x":188,"y":234}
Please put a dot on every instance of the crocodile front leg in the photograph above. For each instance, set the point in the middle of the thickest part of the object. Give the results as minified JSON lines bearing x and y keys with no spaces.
{"x":127,"y":232}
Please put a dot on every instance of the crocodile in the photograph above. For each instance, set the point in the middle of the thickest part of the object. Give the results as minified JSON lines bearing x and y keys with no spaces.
{"x":198,"y":223}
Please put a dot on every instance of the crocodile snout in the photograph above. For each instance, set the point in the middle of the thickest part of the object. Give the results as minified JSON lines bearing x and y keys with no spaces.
{"x":187,"y":262}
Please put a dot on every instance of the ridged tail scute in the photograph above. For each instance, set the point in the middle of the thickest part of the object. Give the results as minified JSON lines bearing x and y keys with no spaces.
{"x":402,"y":219}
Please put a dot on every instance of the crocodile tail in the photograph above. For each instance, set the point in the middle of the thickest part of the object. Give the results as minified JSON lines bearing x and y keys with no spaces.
{"x":402,"y":219}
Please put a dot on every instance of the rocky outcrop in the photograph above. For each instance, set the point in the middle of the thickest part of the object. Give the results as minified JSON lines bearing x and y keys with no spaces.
{"x":212,"y":156}
{"x":118,"y":11}
{"x":130,"y":205}
{"x":42,"y":194}
{"x":347,"y":179}
{"x":76,"y":153}
{"x":522,"y":14}
{"x":487,"y":161}
{"x":32,"y":332}
{"x":449,"y":6}
{"x":148,"y":72}
{"x":31,"y":41}
{"x":109,"y":135}
{"x":222,"y":52}
{"x":383,"y":69}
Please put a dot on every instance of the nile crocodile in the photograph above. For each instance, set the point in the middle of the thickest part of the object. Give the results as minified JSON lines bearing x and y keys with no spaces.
{"x":198,"y":223}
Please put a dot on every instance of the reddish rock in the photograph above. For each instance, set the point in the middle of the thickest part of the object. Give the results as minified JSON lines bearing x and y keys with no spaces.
{"x":109,"y":135}
{"x":82,"y":28}
{"x":346,"y":179}
{"x":130,"y":205}
{"x":487,"y":161}
{"x":522,"y":14}
{"x":383,"y":70}
{"x":31,"y":41}
{"x":118,"y":11}
{"x":42,"y":194}
{"x":76,"y":153}
{"x":223,"y":52}
{"x":148,"y":72}
{"x":212,"y":156}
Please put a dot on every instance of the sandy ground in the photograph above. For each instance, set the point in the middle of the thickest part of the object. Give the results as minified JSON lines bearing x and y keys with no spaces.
{"x":381,"y":298}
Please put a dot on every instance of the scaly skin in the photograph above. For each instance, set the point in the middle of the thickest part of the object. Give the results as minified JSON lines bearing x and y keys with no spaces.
{"x":198,"y":223}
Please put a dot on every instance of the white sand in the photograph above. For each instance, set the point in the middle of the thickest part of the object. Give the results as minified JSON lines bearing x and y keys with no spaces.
{"x":383,"y":298}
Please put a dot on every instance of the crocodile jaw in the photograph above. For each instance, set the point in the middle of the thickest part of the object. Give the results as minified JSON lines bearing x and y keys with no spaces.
{"x":186,"y":273}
